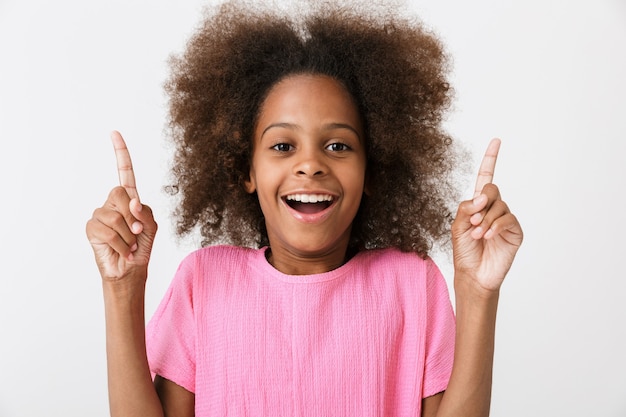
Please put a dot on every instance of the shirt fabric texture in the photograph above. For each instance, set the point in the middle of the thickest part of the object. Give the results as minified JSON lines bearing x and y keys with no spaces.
{"x":370,"y":338}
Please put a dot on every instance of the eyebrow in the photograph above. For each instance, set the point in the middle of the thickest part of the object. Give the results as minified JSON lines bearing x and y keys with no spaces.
{"x":329,"y":126}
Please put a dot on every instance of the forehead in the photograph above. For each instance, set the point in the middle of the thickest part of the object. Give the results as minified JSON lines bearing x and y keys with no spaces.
{"x":307,"y":96}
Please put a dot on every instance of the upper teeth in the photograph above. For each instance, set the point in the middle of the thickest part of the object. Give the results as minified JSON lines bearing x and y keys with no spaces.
{"x":310,"y":198}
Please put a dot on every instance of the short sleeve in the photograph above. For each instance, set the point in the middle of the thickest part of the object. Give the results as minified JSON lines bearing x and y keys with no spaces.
{"x":440,"y":333}
{"x":170,"y":333}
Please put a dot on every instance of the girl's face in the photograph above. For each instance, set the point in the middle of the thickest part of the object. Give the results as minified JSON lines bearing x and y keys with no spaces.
{"x":308,"y":169}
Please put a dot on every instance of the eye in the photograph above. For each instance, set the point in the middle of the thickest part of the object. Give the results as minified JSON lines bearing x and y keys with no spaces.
{"x":338,"y":147}
{"x":282,"y":147}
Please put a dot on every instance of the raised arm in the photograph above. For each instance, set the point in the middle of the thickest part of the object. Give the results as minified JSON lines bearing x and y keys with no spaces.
{"x":121,"y":233}
{"x":486,"y":237}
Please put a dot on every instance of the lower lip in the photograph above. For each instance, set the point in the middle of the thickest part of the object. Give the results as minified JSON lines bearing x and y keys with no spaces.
{"x":310,"y":218}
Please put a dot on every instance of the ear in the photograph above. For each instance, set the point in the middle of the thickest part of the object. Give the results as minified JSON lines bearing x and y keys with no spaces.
{"x":250,"y":184}
{"x":367,"y":189}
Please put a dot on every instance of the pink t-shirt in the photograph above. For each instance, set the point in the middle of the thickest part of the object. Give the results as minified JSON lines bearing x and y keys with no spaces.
{"x":371,"y":338}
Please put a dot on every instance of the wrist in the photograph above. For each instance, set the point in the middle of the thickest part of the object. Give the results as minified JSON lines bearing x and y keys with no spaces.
{"x":476,"y":310}
{"x":467,"y":287}
{"x":124,"y":289}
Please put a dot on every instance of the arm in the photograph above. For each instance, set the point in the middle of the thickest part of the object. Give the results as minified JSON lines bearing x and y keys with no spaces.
{"x":176,"y":400}
{"x":486,"y":237}
{"x":121,"y":234}
{"x":469,"y":390}
{"x":131,"y":391}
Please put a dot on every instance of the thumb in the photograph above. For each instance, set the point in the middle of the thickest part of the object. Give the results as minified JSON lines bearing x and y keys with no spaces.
{"x":145,"y":219}
{"x":136,"y":209}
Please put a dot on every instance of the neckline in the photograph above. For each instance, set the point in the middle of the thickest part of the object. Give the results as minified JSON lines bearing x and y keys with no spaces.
{"x":268,"y":270}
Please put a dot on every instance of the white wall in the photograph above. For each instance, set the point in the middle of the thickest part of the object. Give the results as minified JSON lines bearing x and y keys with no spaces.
{"x":546,"y":77}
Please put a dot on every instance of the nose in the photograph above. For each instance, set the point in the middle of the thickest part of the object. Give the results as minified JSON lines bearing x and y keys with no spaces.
{"x":310,"y":162}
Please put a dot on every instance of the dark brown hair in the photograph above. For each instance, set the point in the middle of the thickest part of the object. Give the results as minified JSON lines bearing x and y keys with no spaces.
{"x":393,"y":67}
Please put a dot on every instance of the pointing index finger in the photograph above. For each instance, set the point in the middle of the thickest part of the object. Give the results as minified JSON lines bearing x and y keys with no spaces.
{"x":124,"y":165}
{"x":487,"y":166}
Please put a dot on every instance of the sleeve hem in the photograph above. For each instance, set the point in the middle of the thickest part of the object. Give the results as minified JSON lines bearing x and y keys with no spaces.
{"x":435,"y":388}
{"x":179,"y":380}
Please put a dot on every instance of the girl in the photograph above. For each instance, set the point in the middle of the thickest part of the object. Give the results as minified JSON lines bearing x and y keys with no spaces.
{"x":312,"y":151}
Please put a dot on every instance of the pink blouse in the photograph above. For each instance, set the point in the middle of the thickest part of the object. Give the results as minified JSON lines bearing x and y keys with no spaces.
{"x":371,"y":338}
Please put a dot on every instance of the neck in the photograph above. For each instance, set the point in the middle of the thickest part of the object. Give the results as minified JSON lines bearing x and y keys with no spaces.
{"x":307,"y":264}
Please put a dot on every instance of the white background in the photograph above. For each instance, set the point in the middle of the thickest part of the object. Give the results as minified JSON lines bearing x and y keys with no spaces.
{"x":548,"y":77}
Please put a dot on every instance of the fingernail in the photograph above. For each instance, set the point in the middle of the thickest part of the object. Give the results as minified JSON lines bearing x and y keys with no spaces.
{"x":489,"y":234}
{"x":133,"y":248}
{"x":130,"y":257}
{"x":478,"y":199}
{"x":136,"y":228}
{"x":137,"y":204}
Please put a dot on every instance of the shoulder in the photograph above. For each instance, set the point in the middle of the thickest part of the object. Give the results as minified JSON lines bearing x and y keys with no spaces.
{"x":215,"y":262}
{"x":401,"y":268}
{"x":214,"y":270}
{"x":394,"y":259}
{"x":221,"y":255}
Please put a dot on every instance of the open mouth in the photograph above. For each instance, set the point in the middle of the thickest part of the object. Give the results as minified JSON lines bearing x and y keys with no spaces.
{"x":309,"y":203}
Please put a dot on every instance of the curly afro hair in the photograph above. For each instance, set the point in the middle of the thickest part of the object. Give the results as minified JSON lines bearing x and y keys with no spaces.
{"x":393,"y":67}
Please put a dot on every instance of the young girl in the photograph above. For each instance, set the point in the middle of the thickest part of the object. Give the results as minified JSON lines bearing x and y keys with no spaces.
{"x":311,"y":150}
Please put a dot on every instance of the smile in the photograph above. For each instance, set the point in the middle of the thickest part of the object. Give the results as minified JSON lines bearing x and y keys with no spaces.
{"x":309,"y":204}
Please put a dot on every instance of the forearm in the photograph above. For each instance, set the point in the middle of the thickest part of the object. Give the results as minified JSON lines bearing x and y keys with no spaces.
{"x":469,"y":390}
{"x":131,"y":391}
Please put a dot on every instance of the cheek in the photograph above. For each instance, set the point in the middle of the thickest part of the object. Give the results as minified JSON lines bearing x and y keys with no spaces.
{"x":265,"y":185}
{"x":356,"y":187}
{"x":357,"y":179}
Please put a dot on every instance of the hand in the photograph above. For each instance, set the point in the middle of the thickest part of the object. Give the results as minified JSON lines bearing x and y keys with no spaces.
{"x":485,"y":234}
{"x":122,"y":231}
